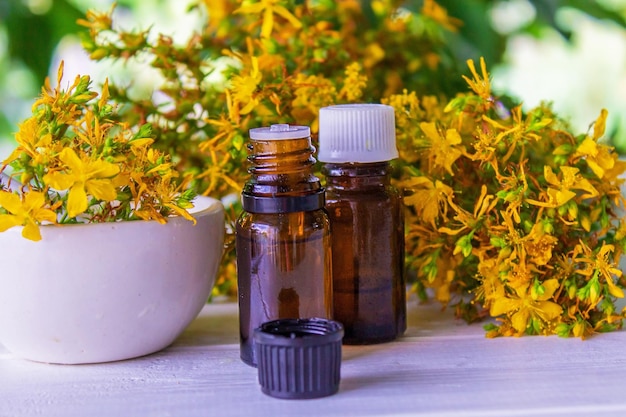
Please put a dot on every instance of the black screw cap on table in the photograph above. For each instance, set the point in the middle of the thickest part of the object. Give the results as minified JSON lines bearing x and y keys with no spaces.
{"x":299,"y":358}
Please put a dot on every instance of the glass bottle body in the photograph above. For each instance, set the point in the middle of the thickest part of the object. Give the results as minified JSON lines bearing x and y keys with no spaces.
{"x":284,"y":270}
{"x":282,"y":240}
{"x":366,"y":213}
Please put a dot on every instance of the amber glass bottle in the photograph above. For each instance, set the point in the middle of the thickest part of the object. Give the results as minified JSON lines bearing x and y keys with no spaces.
{"x":283,"y":236}
{"x":366,"y":212}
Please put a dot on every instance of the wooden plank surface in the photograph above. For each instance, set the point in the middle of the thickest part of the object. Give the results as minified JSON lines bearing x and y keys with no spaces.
{"x":441,"y":367}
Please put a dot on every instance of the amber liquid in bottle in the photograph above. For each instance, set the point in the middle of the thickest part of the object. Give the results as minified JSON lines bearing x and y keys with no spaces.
{"x":283,"y":240}
{"x":368,"y":251}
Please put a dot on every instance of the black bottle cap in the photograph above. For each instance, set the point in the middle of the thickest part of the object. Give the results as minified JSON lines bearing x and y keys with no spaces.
{"x":299,"y":358}
{"x":283,"y":204}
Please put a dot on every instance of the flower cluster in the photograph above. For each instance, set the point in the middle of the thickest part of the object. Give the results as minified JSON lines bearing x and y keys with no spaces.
{"x":75,"y":164}
{"x":256,"y":63}
{"x":509,"y":214}
{"x":512,"y":216}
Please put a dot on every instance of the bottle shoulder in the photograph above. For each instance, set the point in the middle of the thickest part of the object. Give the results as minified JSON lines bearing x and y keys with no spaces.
{"x":305,"y":218}
{"x":381,"y":192}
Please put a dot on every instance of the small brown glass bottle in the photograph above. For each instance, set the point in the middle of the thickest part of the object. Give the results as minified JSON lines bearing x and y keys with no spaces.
{"x":283,"y":236}
{"x":356,"y":142}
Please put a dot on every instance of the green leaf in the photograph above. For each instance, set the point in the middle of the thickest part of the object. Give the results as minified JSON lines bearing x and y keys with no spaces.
{"x":563,"y":330}
{"x":489,"y":327}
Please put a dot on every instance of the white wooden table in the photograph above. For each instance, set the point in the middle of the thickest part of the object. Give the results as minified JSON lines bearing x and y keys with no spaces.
{"x":442,"y":367}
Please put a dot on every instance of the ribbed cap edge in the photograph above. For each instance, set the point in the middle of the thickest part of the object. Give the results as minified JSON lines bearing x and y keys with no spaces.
{"x":357,"y":133}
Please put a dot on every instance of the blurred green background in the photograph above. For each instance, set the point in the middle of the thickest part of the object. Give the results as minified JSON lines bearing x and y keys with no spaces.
{"x":569,"y":52}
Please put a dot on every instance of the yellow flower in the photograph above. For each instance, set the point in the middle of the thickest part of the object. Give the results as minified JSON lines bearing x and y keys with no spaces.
{"x":602,"y":264}
{"x":428,"y":198}
{"x":406,"y":106}
{"x":488,"y":141}
{"x":311,"y":93}
{"x":443,"y":149}
{"x":599,"y":157}
{"x":408,"y":112}
{"x":97,"y":21}
{"x":164,"y":195}
{"x":373,"y":54}
{"x":150,"y":167}
{"x":561,"y":192}
{"x":600,"y":125}
{"x":570,"y":179}
{"x":480,"y":85}
{"x":269,"y":8}
{"x":354,"y":83}
{"x":82,"y":178}
{"x":220,"y":10}
{"x":217,"y":176}
{"x":244,"y":87}
{"x":526,"y":304}
{"x":469,"y":221}
{"x":613,"y":176}
{"x":514,"y":189}
{"x":31,"y":141}
{"x":491,"y":286}
{"x":539,"y":245}
{"x":28,"y":213}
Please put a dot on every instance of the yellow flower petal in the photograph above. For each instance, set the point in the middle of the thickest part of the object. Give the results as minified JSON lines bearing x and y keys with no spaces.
{"x":596,"y":168}
{"x":453,"y":137}
{"x":430,"y":129}
{"x":135,"y":143}
{"x":7,"y":221}
{"x":76,"y":201}
{"x":503,"y":306}
{"x":560,"y":197}
{"x":547,"y":310}
{"x":250,"y":106}
{"x":31,"y":231}
{"x":600,"y":125}
{"x":579,"y":329}
{"x":588,"y":147}
{"x":519,"y":320}
{"x":282,"y":11}
{"x":268,"y":23}
{"x":58,"y":180}
{"x":103,"y":169}
{"x":585,"y":185}
{"x":250,"y":8}
{"x":11,"y":202}
{"x":45,"y":215}
{"x":550,"y":176}
{"x":69,"y":158}
{"x":585,"y":223}
{"x":17,"y":152}
{"x":181,"y":212}
{"x":550,"y":286}
{"x":102,"y":189}
{"x":33,"y":200}
{"x":614,"y":289}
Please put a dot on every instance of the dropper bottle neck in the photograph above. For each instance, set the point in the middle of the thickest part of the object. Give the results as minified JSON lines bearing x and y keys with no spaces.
{"x":282,"y":162}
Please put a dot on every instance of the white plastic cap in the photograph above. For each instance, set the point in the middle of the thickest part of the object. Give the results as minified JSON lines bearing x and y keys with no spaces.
{"x":280,"y":132}
{"x":357,"y":133}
